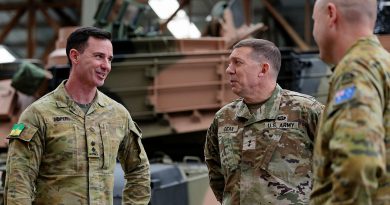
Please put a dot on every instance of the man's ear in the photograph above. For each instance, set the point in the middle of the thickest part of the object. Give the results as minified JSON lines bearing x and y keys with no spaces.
{"x":332,"y":14}
{"x":264,"y":69}
{"x":74,"y":54}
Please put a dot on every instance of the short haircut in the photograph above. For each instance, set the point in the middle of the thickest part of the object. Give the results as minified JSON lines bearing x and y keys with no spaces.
{"x":79,"y":38}
{"x":263,"y":49}
{"x":356,"y":11}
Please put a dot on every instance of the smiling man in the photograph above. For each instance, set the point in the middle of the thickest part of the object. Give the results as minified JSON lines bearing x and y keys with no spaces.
{"x":259,"y":147}
{"x":64,"y":149}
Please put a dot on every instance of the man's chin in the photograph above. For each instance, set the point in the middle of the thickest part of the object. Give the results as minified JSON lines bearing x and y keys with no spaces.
{"x":100,"y":83}
{"x":325,"y":59}
{"x":235,"y":91}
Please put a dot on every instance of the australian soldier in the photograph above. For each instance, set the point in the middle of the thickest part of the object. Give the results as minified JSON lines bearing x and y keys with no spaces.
{"x":64,"y":149}
{"x":259,"y":147}
{"x":352,"y":149}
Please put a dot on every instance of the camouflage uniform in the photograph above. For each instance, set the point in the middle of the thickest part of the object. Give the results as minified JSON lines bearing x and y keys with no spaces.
{"x":351,"y":155}
{"x":64,"y":156}
{"x":265,"y":157}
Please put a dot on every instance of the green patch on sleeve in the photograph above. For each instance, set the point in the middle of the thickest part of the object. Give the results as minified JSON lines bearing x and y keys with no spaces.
{"x":16,"y":130}
{"x":20,"y":131}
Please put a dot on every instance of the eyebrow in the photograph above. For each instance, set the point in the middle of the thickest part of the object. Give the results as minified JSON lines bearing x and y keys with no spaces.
{"x":235,"y":58}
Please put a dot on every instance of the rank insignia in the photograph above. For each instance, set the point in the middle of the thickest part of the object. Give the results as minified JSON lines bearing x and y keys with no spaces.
{"x":16,"y":130}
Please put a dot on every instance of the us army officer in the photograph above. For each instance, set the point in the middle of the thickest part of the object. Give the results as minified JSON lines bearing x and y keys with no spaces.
{"x":259,"y":147}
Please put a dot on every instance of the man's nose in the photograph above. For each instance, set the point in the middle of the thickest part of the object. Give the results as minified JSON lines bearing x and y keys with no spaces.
{"x":106,"y":65}
{"x":230,"y":69}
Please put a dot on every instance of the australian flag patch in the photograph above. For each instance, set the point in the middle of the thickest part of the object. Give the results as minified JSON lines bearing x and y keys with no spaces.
{"x":344,"y":95}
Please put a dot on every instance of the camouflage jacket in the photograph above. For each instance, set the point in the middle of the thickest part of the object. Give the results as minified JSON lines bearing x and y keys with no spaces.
{"x":352,"y":149}
{"x":265,"y":157}
{"x":64,"y":156}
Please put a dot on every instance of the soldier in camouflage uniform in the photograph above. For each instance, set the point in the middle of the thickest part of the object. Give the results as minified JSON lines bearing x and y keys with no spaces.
{"x":65,"y":146}
{"x":259,"y":147}
{"x":352,"y":149}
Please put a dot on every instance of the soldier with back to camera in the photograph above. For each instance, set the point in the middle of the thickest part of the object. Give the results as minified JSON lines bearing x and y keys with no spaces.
{"x":259,"y":147}
{"x":351,"y":154}
{"x":65,"y":146}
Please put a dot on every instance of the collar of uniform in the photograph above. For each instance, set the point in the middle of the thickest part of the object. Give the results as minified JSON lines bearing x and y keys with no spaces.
{"x":269,"y":110}
{"x":100,"y":99}
{"x":372,"y":39}
{"x":61,"y":96}
{"x":64,"y":100}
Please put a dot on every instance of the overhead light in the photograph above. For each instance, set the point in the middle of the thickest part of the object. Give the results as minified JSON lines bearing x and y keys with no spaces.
{"x":180,"y":26}
{"x":5,"y":55}
{"x":164,"y":8}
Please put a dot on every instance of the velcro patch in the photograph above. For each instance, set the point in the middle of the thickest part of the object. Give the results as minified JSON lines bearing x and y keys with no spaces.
{"x":21,"y":132}
{"x":282,"y":118}
{"x":16,"y":130}
{"x":229,"y":129}
{"x":249,"y":143}
{"x":344,"y":95}
{"x":281,"y":125}
{"x":61,"y":119}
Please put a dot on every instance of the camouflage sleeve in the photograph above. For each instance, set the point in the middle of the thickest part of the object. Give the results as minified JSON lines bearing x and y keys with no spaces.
{"x":314,"y":118}
{"x":213,"y":161}
{"x":23,"y":160}
{"x":135,"y":164}
{"x":357,"y":145}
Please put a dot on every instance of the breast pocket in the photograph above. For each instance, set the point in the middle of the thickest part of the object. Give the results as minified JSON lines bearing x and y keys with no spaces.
{"x":112,"y":135}
{"x":289,"y":157}
{"x":230,"y":150}
{"x":61,"y":148}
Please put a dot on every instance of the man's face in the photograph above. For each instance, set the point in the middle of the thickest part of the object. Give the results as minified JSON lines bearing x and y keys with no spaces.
{"x":243,"y":71}
{"x":94,"y":64}
{"x":321,"y":31}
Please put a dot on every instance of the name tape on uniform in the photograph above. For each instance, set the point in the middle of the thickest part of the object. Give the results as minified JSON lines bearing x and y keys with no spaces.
{"x":282,"y":125}
{"x":229,"y":129}
{"x":61,"y":119}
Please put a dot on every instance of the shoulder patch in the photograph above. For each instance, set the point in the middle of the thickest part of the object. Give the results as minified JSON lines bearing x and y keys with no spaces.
{"x":344,"y":95}
{"x":16,"y":130}
{"x":21,"y":132}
